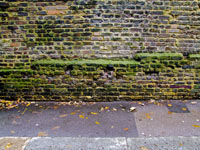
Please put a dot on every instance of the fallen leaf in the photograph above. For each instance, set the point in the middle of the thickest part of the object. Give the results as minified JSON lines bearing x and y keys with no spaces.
{"x":24,"y":111}
{"x":143,"y":148}
{"x":180,"y":144}
{"x":11,"y":106}
{"x":42,"y":134}
{"x":148,"y":116}
{"x":12,"y":132}
{"x":81,"y":116}
{"x":132,"y":109}
{"x":56,"y":127}
{"x":35,"y":112}
{"x":28,"y":104}
{"x":193,"y":102}
{"x":123,"y":109}
{"x":170,"y":105}
{"x":54,"y":107}
{"x":125,"y":129}
{"x":112,"y":127}
{"x":8,"y":146}
{"x":184,"y":109}
{"x":93,"y":113}
{"x":17,"y":117}
{"x":73,"y":113}
{"x":152,"y":101}
{"x":101,"y":109}
{"x":86,"y":117}
{"x":106,"y":107}
{"x":97,"y":122}
{"x":169,"y":112}
{"x":140,"y":103}
{"x":196,"y":126}
{"x":62,"y":116}
{"x":14,"y":122}
{"x":88,"y":97}
{"x":114,"y":109}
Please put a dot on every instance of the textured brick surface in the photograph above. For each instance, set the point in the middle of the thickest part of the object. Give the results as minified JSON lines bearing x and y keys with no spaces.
{"x":93,"y":29}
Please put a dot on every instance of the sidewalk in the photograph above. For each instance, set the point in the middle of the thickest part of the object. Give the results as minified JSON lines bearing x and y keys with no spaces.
{"x":115,"y":125}
{"x":116,"y":143}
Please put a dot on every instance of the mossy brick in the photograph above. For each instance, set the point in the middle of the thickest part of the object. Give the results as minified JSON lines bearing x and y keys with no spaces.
{"x":197,"y":86}
{"x":159,"y":56}
{"x":15,"y":71}
{"x":68,"y":36}
{"x":82,"y":62}
{"x":194,"y":56}
{"x":156,"y":65}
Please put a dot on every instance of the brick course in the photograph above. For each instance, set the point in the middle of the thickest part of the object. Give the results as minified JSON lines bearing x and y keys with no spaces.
{"x":99,"y":29}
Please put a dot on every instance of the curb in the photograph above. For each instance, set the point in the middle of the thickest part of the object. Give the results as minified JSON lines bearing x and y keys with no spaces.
{"x":118,"y":143}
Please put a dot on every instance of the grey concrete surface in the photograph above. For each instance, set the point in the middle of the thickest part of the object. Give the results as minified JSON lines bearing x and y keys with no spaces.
{"x":158,"y":121}
{"x":77,"y":144}
{"x":164,"y":143}
{"x":120,"y":143}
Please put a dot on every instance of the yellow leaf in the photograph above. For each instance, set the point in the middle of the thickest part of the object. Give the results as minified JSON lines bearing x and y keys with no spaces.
{"x":42,"y":134}
{"x":97,"y":122}
{"x":143,"y":148}
{"x":28,"y":104}
{"x":24,"y":111}
{"x":196,"y":126}
{"x":86,"y":117}
{"x":73,"y":113}
{"x":8,"y":145}
{"x":170,"y":105}
{"x":106,"y":107}
{"x":148,"y":116}
{"x":88,"y":97}
{"x":56,"y":127}
{"x":125,"y":129}
{"x":184,"y":109}
{"x":81,"y":116}
{"x":62,"y":116}
{"x":93,"y":113}
{"x":169,"y":112}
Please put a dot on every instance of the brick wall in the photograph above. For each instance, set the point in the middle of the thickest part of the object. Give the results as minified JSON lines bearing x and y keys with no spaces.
{"x":57,"y":32}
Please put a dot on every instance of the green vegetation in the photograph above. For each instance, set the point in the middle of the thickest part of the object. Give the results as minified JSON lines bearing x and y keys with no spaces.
{"x":82,"y":62}
{"x":8,"y":71}
{"x":194,"y":56}
{"x":160,"y":56}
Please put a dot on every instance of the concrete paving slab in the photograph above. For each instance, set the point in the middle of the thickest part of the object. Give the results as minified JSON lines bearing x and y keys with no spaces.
{"x":158,"y":121}
{"x":77,"y":144}
{"x":13,"y":143}
{"x":56,"y":120}
{"x":177,"y":107}
{"x":164,"y":143}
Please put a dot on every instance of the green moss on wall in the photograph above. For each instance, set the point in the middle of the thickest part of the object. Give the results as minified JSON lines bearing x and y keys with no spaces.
{"x":159,"y":56}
